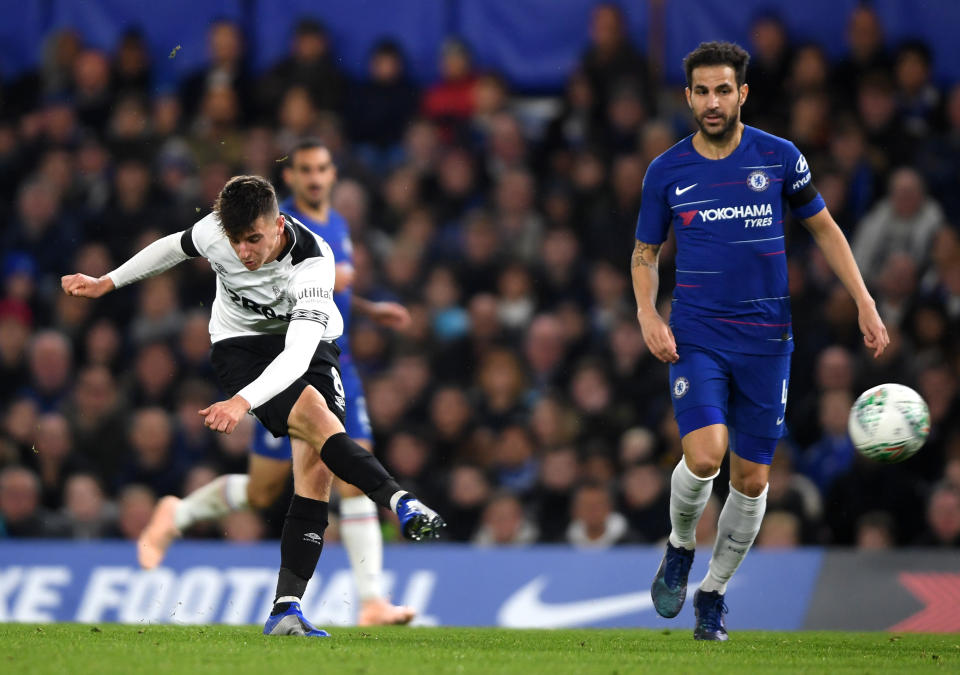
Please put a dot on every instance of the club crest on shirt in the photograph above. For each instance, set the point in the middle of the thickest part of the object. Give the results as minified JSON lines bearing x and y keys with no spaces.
{"x":758,"y":181}
{"x":681,"y":386}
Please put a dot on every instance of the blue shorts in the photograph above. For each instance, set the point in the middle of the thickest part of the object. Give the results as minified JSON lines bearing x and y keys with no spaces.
{"x":746,"y":392}
{"x":357,"y":423}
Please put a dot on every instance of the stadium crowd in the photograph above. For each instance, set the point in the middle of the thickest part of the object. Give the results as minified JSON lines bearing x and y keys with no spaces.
{"x":522,"y":401}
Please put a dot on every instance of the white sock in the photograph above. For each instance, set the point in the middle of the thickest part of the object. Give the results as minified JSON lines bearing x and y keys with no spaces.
{"x":395,"y":499}
{"x":737,"y":528}
{"x":216,"y":499}
{"x":360,"y":531}
{"x":688,"y":497}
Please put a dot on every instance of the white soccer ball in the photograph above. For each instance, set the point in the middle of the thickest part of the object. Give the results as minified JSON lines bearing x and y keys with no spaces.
{"x":889,"y":423}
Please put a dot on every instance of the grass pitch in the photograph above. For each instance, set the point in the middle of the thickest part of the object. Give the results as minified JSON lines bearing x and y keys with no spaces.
{"x":111,"y":648}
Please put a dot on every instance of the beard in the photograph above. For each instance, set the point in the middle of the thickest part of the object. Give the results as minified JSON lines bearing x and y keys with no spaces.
{"x":729,"y":125}
{"x":313,"y":199}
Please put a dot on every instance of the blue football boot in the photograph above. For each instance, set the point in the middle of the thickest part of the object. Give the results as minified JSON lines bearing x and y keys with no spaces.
{"x":418,"y":522}
{"x":709,"y":608}
{"x":669,"y":588}
{"x":292,"y":622}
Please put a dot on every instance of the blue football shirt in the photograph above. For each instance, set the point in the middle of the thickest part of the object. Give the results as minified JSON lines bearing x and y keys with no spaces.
{"x":732,"y":291}
{"x":335,"y":232}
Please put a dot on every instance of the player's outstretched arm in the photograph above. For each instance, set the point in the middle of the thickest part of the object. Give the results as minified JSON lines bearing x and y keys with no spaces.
{"x":153,"y":259}
{"x":645,"y":272}
{"x":389,"y":314}
{"x":84,"y":286}
{"x":837,"y":251}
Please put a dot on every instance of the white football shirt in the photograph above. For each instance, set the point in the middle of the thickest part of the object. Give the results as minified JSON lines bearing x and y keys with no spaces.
{"x":297,"y":285}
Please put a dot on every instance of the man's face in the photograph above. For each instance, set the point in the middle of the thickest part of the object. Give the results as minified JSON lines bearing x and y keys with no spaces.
{"x":715,"y":100}
{"x":311,"y":176}
{"x":261,"y":243}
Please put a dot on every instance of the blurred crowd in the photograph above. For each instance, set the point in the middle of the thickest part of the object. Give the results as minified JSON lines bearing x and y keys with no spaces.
{"x":522,"y":401}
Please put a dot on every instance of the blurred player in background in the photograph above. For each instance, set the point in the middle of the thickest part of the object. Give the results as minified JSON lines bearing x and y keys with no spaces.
{"x":310,"y":176}
{"x":729,"y":339}
{"x":273,"y":327}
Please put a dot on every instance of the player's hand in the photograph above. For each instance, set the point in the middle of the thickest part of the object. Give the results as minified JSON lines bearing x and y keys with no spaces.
{"x":659,"y":338}
{"x":874,"y":332}
{"x":85,"y":286}
{"x":225,"y":415}
{"x":390,"y":314}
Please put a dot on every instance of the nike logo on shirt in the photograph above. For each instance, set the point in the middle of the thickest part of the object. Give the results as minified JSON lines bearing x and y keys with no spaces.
{"x":679,"y":192}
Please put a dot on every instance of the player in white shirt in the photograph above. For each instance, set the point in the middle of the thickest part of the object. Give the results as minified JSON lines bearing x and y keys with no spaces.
{"x":272,"y":326}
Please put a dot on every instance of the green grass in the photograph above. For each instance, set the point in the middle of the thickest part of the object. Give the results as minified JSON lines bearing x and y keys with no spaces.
{"x":110,"y":648}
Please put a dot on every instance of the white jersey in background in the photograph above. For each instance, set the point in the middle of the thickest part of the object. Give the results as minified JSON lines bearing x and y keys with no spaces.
{"x":297,"y":285}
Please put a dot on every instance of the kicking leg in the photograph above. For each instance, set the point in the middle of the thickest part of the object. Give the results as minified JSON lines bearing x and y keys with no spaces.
{"x":301,"y":542}
{"x":310,"y":420}
{"x":360,"y":530}
{"x":690,"y":488}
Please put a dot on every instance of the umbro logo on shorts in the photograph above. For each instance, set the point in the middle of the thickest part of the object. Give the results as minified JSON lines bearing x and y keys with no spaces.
{"x":313,"y":538}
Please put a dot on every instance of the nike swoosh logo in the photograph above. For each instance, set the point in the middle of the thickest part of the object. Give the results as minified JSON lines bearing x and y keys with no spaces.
{"x":737,"y":541}
{"x":679,"y":192}
{"x":525,"y":609}
{"x":779,"y":421}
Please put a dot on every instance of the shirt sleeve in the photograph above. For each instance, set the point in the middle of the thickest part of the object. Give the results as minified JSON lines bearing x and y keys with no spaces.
{"x":312,"y":289}
{"x":155,"y":258}
{"x":655,"y":213}
{"x":798,"y":189}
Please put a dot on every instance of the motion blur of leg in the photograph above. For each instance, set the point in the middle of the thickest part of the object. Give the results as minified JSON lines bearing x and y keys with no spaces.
{"x":690,"y":488}
{"x":225,"y":494}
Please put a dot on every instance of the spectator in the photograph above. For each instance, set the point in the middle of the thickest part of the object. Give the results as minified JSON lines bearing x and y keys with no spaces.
{"x":89,"y":514}
{"x":21,"y":514}
{"x":151,"y":462}
{"x":505,"y":524}
{"x":225,"y":71}
{"x":611,"y":58}
{"x":833,"y":454}
{"x":134,"y":506}
{"x":552,"y":496}
{"x":310,"y":65}
{"x":467,"y":494}
{"x":51,"y":365}
{"x":875,"y":532}
{"x":906,"y":220}
{"x":594,"y":523}
{"x":645,"y":501}
{"x":451,"y":101}
{"x":943,"y":518}
{"x":97,"y":421}
{"x":780,"y":530}
{"x":380,"y":108}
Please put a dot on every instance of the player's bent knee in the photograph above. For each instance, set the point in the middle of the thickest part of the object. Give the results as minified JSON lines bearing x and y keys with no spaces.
{"x":311,"y":419}
{"x":751,"y":486}
{"x":263,"y":496}
{"x":703,"y":467}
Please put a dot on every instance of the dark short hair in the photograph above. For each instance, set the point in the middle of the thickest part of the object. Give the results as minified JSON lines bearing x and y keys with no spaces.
{"x":241,"y":201}
{"x":308,"y":143}
{"x":718,"y":54}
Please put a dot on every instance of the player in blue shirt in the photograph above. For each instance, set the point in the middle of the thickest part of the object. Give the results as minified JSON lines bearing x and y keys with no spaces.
{"x":310,"y":176}
{"x":729,"y":339}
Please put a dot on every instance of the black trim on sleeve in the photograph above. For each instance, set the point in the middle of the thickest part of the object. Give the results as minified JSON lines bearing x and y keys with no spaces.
{"x":310,"y":315}
{"x":802,"y":198}
{"x":186,"y":243}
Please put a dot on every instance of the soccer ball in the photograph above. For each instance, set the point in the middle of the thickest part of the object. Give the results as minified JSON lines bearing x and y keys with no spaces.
{"x":889,"y":423}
